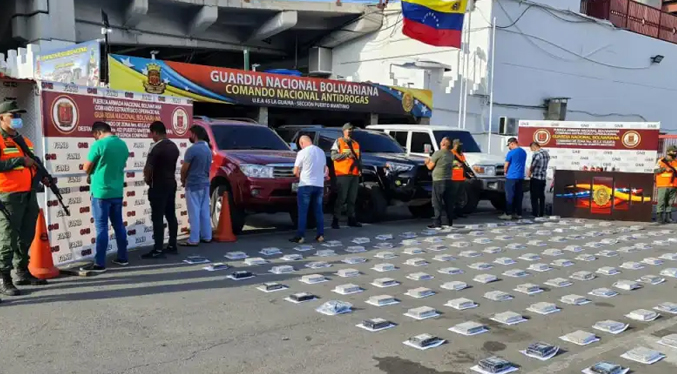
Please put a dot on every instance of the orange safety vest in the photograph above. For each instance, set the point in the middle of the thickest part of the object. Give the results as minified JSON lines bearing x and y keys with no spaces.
{"x":457,"y":172}
{"x":345,"y":166}
{"x":19,"y":179}
{"x":665,"y":179}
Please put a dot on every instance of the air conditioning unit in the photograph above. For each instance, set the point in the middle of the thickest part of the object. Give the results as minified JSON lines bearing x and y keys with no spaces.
{"x":319,"y":61}
{"x":507,"y":126}
{"x":556,"y":109}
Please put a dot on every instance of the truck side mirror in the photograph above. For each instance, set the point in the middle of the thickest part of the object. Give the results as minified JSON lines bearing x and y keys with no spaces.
{"x":428,"y":148}
{"x":294,"y":147}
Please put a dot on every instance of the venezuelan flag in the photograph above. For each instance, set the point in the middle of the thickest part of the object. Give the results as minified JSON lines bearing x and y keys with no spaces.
{"x":434,"y":22}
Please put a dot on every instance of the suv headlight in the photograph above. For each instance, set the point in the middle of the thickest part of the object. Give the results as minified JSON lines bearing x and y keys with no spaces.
{"x":257,"y":171}
{"x":486,"y":170}
{"x":396,"y":167}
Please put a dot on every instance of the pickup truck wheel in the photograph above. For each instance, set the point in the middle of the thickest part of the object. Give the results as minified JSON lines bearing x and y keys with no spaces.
{"x":422,"y":211}
{"x":498,"y":202}
{"x":311,"y":223}
{"x":371,"y":204}
{"x":469,"y":198}
{"x":237,"y":215}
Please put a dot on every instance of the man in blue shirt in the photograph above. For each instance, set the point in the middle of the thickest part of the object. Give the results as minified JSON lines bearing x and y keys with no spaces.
{"x":514,"y":178}
{"x":195,"y":177}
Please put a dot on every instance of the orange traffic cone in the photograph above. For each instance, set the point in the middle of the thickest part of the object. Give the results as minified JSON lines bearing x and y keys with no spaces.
{"x":224,"y":231}
{"x":41,"y":264}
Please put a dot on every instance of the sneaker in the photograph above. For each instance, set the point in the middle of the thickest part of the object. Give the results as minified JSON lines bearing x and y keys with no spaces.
{"x":319,"y":238}
{"x":205,"y":241}
{"x":335,"y":224}
{"x":297,"y":240}
{"x":188,"y":244}
{"x":515,"y":216}
{"x":171,"y":250}
{"x":152,"y":254}
{"x":121,"y":262}
{"x":93,"y":268}
{"x":434,"y":227}
{"x":505,"y":217}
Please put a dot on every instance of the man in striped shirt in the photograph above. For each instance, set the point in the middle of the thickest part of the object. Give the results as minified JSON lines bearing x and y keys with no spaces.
{"x":538,"y":172}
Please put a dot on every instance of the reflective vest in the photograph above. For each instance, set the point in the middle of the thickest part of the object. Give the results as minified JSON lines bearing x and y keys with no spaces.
{"x":665,"y":179}
{"x":20,"y":179}
{"x":345,"y":166}
{"x":457,"y":171}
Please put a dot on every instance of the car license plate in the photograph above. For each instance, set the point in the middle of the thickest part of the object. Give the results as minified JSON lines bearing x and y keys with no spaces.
{"x":294,"y":187}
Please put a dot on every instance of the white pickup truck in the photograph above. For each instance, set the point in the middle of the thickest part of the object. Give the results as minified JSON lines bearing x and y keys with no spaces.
{"x":490,"y":182}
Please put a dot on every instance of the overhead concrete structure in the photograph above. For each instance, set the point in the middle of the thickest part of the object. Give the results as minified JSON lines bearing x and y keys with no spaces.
{"x":269,"y":29}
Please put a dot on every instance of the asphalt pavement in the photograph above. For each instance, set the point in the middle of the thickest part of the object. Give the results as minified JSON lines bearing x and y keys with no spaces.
{"x":165,"y":316}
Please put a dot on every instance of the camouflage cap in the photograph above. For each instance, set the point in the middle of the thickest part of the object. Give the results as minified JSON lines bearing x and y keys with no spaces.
{"x":348,"y":126}
{"x":672,"y":149}
{"x":457,"y":141}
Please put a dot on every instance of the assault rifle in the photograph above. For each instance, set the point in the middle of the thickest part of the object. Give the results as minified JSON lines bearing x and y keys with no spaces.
{"x":466,"y":168}
{"x":51,"y":181}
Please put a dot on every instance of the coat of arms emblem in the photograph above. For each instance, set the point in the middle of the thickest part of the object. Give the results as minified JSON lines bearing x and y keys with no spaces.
{"x":154,"y":83}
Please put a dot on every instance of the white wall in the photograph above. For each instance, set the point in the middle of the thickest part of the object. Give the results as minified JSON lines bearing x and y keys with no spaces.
{"x":551,"y":51}
{"x":376,"y":58}
{"x":606,"y":72}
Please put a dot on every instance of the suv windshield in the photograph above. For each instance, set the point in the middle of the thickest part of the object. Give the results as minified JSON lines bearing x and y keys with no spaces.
{"x":230,"y":137}
{"x":371,"y":142}
{"x":469,"y":144}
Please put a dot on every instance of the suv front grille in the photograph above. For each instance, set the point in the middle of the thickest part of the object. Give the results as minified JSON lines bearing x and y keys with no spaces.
{"x":283,"y":171}
{"x":500,"y":171}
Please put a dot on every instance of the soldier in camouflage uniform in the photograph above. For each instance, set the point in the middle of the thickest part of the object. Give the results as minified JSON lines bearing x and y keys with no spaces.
{"x":666,"y":183}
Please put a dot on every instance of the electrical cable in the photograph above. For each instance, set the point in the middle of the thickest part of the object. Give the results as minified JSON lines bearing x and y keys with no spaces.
{"x":515,"y":21}
{"x":529,"y":38}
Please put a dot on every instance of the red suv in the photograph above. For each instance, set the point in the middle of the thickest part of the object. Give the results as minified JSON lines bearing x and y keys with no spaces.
{"x":254,"y":165}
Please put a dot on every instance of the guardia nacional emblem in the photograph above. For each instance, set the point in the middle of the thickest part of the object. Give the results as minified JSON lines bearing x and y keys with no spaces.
{"x":407,"y":102}
{"x":154,"y":83}
{"x":601,"y":197}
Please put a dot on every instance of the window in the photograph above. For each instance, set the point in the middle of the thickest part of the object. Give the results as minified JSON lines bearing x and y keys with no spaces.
{"x":372,"y":142}
{"x":287,"y":134}
{"x":325,"y":142}
{"x":418,"y":142}
{"x":247,"y":137}
{"x":469,"y":144}
{"x":401,"y":137}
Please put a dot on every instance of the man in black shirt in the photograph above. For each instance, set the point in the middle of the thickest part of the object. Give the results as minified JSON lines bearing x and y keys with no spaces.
{"x":160,"y":176}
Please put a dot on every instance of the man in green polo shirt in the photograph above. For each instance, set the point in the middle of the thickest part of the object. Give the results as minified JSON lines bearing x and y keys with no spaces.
{"x":105,"y":169}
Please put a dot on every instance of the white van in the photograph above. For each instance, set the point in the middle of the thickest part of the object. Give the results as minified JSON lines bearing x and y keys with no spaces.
{"x":490,"y":182}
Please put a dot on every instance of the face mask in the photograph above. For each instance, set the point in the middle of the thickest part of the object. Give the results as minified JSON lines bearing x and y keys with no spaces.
{"x":16,"y":123}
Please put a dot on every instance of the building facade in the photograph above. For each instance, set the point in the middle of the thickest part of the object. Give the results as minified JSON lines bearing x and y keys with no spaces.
{"x":545,"y":50}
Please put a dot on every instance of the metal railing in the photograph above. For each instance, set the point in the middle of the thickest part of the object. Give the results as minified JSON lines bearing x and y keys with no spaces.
{"x":633,"y":16}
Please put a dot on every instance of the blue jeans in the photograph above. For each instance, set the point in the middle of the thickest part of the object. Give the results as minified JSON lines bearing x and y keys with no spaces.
{"x":104,"y":210}
{"x":197,"y":200}
{"x":306,"y":196}
{"x":513,"y":196}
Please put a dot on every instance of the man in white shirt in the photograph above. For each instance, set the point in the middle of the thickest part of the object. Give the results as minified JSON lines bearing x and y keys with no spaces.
{"x":311,"y":168}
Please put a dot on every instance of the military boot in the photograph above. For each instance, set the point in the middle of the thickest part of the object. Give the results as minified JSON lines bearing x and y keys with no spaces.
{"x":25,"y":278}
{"x":660,"y":218}
{"x":6,"y":284}
{"x":668,"y":217}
